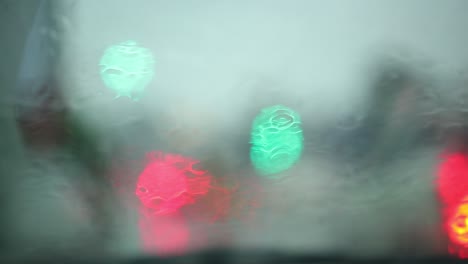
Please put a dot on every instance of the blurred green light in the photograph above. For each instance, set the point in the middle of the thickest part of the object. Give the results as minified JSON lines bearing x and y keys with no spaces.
{"x":127,"y":69}
{"x":276,"y":140}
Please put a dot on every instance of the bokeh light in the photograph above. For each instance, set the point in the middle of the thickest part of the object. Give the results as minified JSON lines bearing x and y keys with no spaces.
{"x":127,"y":69}
{"x":452,"y":181}
{"x":276,"y":140}
{"x":452,"y":188}
{"x":170,"y":182}
{"x":457,"y":223}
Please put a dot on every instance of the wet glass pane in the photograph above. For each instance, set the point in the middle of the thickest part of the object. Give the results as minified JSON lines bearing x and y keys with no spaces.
{"x":167,"y":128}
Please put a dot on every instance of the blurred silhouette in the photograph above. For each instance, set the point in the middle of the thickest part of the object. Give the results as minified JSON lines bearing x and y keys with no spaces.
{"x":392,"y":124}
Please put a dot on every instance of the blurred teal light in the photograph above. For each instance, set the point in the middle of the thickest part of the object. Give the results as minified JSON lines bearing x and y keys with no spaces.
{"x":276,"y":140}
{"x":127,"y":69}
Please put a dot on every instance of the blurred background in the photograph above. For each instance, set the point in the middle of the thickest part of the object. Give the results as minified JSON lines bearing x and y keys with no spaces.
{"x":380,"y":87}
